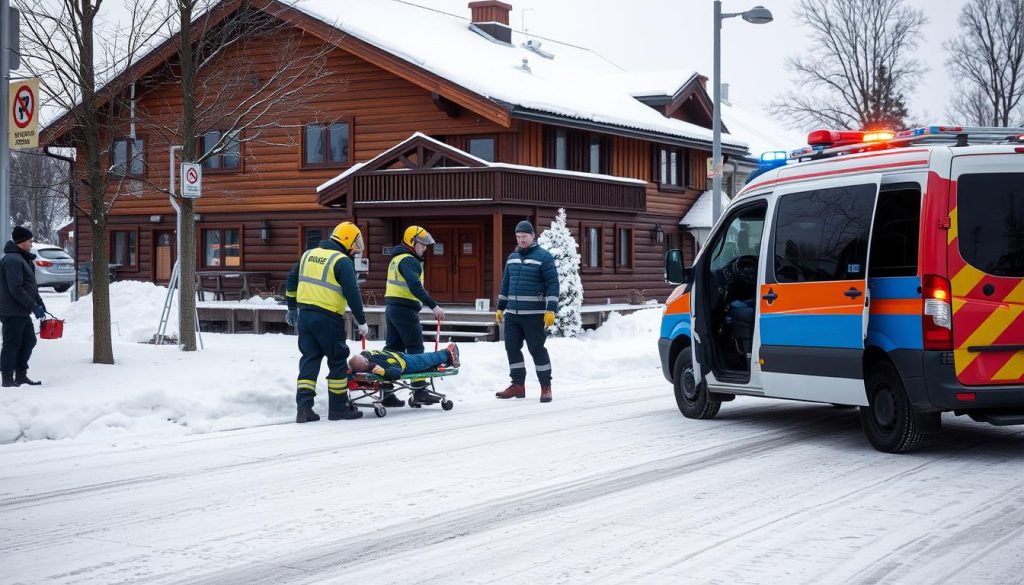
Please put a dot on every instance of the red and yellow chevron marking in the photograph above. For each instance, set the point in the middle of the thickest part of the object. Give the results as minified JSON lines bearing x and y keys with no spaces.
{"x":982,"y":320}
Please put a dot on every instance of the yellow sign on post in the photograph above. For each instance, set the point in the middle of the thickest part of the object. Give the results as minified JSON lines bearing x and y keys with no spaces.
{"x":23,"y":112}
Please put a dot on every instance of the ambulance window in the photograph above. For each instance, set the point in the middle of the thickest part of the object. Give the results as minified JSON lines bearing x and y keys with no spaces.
{"x":822,"y":235}
{"x":742,"y":236}
{"x":990,"y":214}
{"x":896,"y":234}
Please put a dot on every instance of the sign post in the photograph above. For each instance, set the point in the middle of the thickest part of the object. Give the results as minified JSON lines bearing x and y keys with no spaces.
{"x":191,"y":180}
{"x":6,"y":42}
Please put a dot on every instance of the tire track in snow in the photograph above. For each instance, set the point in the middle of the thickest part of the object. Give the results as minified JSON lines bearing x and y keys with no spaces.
{"x":487,"y":516}
{"x":18,"y":502}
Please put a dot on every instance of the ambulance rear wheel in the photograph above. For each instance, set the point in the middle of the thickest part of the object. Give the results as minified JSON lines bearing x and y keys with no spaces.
{"x":692,"y":399}
{"x":889,"y":420}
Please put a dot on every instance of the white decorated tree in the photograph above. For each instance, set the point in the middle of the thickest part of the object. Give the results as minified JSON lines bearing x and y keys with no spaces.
{"x":559,"y":242}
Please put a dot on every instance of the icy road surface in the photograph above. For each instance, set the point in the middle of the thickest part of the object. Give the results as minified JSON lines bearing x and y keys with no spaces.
{"x":610,"y":485}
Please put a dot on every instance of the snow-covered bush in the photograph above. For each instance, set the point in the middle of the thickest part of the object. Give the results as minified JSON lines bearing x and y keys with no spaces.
{"x":559,"y":241}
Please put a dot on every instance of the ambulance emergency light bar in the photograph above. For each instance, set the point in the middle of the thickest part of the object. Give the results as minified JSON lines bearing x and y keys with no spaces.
{"x":826,"y":142}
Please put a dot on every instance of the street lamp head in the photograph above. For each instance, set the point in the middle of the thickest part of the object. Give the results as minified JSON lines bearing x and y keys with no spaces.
{"x":758,"y":15}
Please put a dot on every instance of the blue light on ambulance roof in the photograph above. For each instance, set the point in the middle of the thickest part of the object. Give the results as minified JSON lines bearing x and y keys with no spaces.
{"x":773,"y":156}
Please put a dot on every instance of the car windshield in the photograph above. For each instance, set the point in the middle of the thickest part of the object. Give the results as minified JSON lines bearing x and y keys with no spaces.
{"x":990,"y":210}
{"x":53,"y":254}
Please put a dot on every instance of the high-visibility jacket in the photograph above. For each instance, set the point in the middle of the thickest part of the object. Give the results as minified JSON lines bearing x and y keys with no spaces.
{"x":397,"y":285}
{"x":405,"y":280}
{"x":318,"y":285}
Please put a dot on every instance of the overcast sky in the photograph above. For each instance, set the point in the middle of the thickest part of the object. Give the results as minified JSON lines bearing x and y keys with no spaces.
{"x":642,"y":35}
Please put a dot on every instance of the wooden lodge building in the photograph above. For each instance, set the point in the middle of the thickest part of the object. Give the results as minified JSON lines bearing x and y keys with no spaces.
{"x":461,"y":125}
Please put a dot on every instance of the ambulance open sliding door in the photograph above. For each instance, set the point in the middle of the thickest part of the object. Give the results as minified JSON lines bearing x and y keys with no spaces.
{"x":813,"y":302}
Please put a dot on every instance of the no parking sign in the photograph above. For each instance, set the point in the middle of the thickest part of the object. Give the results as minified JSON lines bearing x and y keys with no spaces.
{"x":24,"y":112}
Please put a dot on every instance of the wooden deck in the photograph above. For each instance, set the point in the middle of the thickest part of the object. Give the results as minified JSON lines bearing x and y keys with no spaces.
{"x":460,"y":324}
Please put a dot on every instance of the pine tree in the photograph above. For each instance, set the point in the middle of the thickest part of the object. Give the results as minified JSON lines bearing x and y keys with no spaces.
{"x":559,"y":242}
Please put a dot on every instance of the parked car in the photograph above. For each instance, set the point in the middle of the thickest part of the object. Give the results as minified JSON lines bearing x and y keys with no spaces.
{"x":54,"y":267}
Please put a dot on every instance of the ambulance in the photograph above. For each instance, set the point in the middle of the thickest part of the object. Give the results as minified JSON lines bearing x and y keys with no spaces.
{"x":883,"y":270}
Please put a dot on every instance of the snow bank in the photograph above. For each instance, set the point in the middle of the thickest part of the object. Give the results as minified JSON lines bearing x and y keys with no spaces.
{"x":243,"y":381}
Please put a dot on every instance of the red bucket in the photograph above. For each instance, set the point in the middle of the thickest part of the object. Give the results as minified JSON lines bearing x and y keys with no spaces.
{"x":51,"y":328}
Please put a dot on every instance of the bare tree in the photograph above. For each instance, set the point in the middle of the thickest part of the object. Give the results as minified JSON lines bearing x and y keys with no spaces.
{"x":987,"y":60}
{"x":39,"y":193}
{"x":860,"y":69}
{"x":76,"y":52}
{"x":228,"y":101}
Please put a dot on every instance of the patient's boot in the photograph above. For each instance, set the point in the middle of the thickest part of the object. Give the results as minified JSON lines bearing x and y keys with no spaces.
{"x":513,"y":391}
{"x":392,"y":401}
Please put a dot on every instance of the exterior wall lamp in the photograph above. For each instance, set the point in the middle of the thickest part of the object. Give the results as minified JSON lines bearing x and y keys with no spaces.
{"x":264,"y":231}
{"x":658,"y":235}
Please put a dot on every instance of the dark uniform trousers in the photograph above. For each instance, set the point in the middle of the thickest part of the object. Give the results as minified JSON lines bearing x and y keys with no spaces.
{"x":528,"y":328}
{"x":322,"y":335}
{"x":19,"y":337}
{"x":404,"y":333}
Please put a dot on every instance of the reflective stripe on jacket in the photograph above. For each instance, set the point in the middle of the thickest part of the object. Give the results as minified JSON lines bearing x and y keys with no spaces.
{"x":317,"y":284}
{"x":529,"y":285}
{"x":397,"y":286}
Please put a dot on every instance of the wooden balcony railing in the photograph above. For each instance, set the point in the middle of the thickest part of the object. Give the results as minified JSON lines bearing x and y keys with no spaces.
{"x":496,"y":185}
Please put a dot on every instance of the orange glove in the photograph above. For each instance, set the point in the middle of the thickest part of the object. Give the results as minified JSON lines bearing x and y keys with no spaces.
{"x":497,"y":316}
{"x":549,"y":318}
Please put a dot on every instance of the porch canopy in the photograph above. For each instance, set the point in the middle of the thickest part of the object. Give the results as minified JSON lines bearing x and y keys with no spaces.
{"x":421,"y":171}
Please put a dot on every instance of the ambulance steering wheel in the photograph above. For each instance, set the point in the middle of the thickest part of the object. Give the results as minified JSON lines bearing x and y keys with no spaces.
{"x":742,"y":269}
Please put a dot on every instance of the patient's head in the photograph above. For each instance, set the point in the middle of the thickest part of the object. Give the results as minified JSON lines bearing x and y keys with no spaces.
{"x":358,"y":363}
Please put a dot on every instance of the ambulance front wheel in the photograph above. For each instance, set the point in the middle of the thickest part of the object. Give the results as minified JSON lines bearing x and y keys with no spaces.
{"x":692,"y":399}
{"x":889,"y":420}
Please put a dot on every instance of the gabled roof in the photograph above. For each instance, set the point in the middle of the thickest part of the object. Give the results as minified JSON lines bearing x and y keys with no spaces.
{"x":699,"y":215}
{"x":496,"y":80}
{"x":576,"y":83}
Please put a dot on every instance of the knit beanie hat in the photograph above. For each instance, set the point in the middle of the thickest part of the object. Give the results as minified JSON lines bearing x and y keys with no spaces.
{"x":524,"y":227}
{"x":20,"y":234}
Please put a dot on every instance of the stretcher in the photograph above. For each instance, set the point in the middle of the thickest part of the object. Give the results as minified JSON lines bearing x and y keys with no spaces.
{"x":367,"y":390}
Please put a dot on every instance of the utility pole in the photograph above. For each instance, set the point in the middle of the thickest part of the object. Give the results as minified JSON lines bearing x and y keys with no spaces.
{"x":5,"y":120}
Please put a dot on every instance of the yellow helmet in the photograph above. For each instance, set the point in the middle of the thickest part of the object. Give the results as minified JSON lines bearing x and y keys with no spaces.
{"x":348,"y":235}
{"x":414,"y":234}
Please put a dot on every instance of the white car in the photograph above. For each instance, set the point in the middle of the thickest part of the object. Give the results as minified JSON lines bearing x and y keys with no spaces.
{"x":54,"y":267}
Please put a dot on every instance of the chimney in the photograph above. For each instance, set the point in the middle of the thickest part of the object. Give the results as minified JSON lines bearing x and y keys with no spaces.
{"x":491,"y":17}
{"x":725,"y":93}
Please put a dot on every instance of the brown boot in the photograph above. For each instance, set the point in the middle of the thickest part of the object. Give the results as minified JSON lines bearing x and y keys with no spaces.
{"x":545,"y":393}
{"x":513,"y":391}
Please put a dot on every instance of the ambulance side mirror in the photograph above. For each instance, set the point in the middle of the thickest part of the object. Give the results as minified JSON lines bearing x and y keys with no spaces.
{"x":674,"y":271}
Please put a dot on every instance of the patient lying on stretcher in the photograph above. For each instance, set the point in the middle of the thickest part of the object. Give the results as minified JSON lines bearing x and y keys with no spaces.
{"x":390,"y":365}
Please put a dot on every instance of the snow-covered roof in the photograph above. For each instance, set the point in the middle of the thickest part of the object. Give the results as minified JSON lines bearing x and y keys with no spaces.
{"x":760,"y":131}
{"x":483,"y":163}
{"x":576,"y":83}
{"x":699,"y":215}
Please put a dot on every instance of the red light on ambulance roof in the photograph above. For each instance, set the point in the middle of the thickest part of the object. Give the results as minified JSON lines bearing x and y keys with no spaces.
{"x":831,"y":138}
{"x":879,"y":135}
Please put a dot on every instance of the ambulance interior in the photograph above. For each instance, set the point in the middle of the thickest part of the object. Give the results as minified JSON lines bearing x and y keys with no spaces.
{"x":732,"y":285}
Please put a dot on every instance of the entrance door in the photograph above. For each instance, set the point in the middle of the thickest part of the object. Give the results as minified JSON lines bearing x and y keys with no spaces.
{"x":813,"y":300}
{"x":163,"y":255}
{"x":454,"y":266}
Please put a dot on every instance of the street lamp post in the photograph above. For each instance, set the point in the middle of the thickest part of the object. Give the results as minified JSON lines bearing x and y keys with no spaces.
{"x":756,"y":15}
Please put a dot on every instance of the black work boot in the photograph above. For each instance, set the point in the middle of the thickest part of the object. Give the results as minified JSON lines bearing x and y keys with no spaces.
{"x":392,"y":401}
{"x":305,"y":414}
{"x":22,"y":378}
{"x":348,"y":413}
{"x":8,"y":380}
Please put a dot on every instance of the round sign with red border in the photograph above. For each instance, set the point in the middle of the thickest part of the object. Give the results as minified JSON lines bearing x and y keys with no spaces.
{"x":192,"y":176}
{"x":24,"y":106}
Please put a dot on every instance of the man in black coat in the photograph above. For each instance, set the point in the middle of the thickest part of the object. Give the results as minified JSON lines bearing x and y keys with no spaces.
{"x":18,"y":299}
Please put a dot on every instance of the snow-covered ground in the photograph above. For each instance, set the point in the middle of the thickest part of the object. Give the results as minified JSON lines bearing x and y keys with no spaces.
{"x":184,"y":468}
